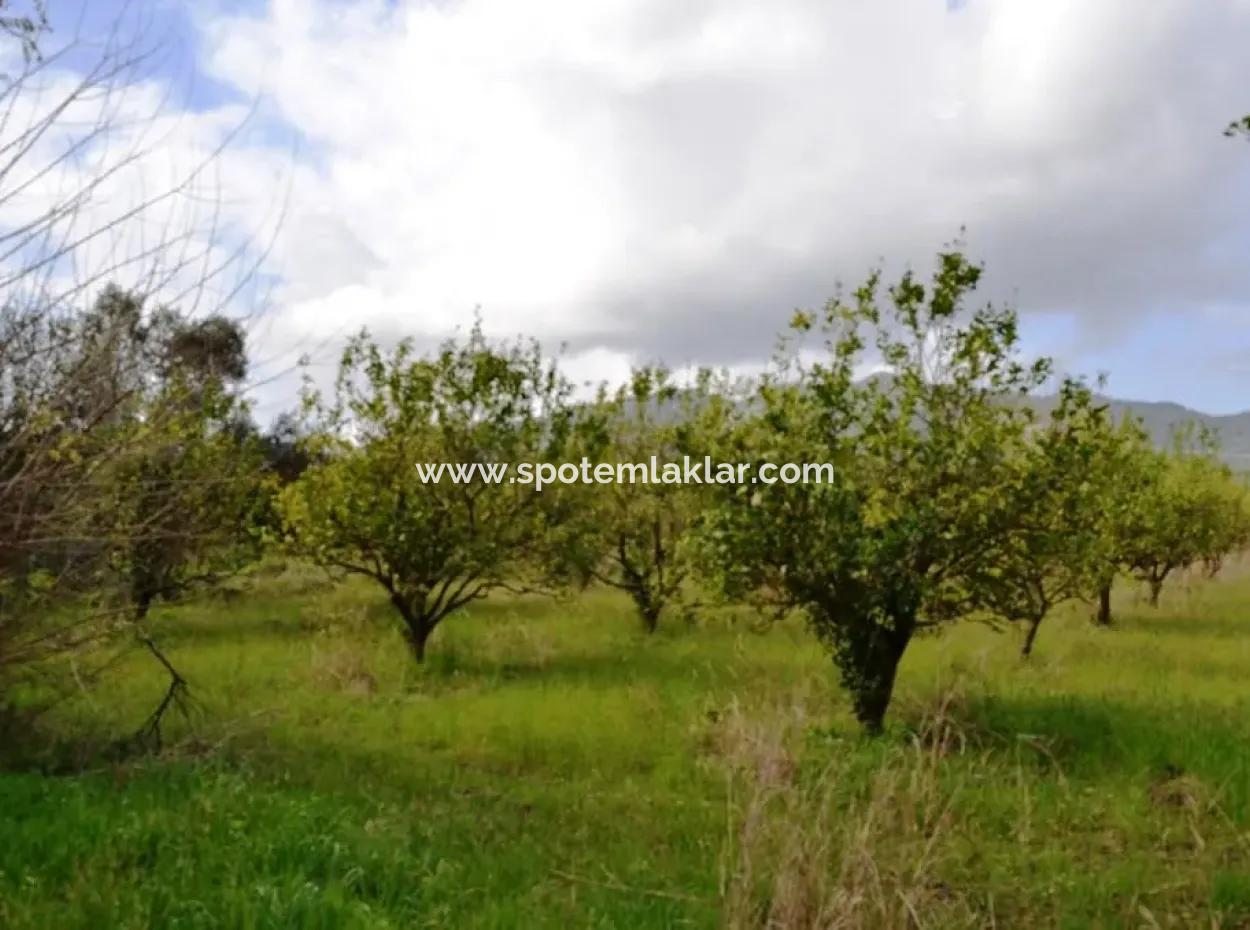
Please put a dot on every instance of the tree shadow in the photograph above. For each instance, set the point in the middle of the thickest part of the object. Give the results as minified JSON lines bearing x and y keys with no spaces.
{"x":225,"y":627}
{"x":1083,"y":737}
{"x":1173,"y":625}
{"x":628,"y":661}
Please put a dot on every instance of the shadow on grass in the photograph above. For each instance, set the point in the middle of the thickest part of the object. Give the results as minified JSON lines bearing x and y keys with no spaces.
{"x":27,"y":746}
{"x":1172,"y":625}
{"x":212,"y":621}
{"x":627,"y":662}
{"x":222,"y":628}
{"x":1096,"y":738}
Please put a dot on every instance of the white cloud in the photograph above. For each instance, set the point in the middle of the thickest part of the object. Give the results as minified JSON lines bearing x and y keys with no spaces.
{"x":657,"y":176}
{"x":643,"y":178}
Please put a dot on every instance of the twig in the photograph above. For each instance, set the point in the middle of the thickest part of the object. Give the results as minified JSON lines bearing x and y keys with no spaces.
{"x":177,"y":695}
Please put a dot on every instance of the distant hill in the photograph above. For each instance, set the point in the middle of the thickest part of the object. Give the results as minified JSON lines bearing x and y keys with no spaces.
{"x":1162,"y":418}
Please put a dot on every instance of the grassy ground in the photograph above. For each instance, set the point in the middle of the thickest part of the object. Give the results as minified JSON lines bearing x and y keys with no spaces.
{"x":553,"y":767}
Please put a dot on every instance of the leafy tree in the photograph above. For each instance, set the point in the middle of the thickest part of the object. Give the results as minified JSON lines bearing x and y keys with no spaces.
{"x":286,"y":453}
{"x":1157,"y":511}
{"x":1123,"y":471}
{"x":75,"y":371}
{"x":1239,"y":127}
{"x":1228,"y":526}
{"x":632,"y":531}
{"x":145,"y":402}
{"x":123,"y":438}
{"x":1052,"y":551}
{"x":922,"y":464}
{"x":73,"y":410}
{"x":191,"y":495}
{"x":1163,"y":536}
{"x":364,"y":506}
{"x":1172,"y":526}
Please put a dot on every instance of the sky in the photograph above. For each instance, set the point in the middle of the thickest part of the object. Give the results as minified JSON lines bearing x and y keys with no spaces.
{"x":642,"y":180}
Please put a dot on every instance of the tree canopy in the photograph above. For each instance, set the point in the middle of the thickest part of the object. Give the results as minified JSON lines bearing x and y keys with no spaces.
{"x":922,"y":463}
{"x":364,"y":507}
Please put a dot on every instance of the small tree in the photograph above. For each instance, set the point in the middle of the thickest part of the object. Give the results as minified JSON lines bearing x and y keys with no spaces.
{"x":1182,"y":516}
{"x":434,"y":542}
{"x":80,"y":137}
{"x":1051,"y":554}
{"x":192,"y":492}
{"x":1228,"y":527}
{"x":632,"y":530}
{"x":922,"y":460}
{"x":1122,"y":472}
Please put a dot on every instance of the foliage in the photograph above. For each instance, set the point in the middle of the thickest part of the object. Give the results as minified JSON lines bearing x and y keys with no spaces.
{"x":1122,"y":469}
{"x":137,"y":477}
{"x":71,"y":403}
{"x":286,"y":453}
{"x":187,"y":511}
{"x":181,"y":506}
{"x":434,"y":545}
{"x":1226,"y":521}
{"x":632,"y":532}
{"x":80,"y":359}
{"x":1057,"y":485}
{"x":922,"y":462}
{"x":1191,"y":509}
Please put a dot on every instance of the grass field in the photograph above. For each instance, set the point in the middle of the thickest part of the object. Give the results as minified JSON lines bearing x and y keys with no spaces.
{"x":553,"y":767}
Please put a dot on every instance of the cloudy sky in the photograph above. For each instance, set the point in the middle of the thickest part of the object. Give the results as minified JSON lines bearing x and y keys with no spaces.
{"x":647,"y":179}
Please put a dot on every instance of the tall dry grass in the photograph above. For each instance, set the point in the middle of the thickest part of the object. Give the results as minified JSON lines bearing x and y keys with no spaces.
{"x":836,"y":847}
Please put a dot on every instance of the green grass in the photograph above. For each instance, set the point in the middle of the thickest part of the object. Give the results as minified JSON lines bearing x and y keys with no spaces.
{"x":554,"y":767}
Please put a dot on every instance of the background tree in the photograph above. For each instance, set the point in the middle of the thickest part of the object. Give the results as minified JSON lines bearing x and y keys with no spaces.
{"x":1181,"y":517}
{"x":1157,"y":512}
{"x":434,"y":545}
{"x":1122,"y":474}
{"x":1228,"y":526}
{"x":285,"y":449}
{"x":921,"y":464}
{"x":78,"y":210}
{"x":1051,"y":552}
{"x":188,"y":501}
{"x":632,"y":531}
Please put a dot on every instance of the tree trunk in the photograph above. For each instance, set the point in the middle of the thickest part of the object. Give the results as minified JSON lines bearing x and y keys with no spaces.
{"x":1104,"y":605}
{"x":874,"y":682}
{"x":417,"y":627}
{"x":872,"y":700}
{"x":651,"y":619}
{"x":1034,"y":625}
{"x":648,"y":609}
{"x":144,"y":587}
{"x":417,"y":636}
{"x":1156,"y":587}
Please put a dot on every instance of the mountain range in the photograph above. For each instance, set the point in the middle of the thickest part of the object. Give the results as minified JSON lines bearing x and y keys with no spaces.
{"x":1162,"y":418}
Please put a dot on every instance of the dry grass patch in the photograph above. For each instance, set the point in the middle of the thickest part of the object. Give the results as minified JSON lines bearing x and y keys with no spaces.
{"x":339,"y":665}
{"x":823,"y":849}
